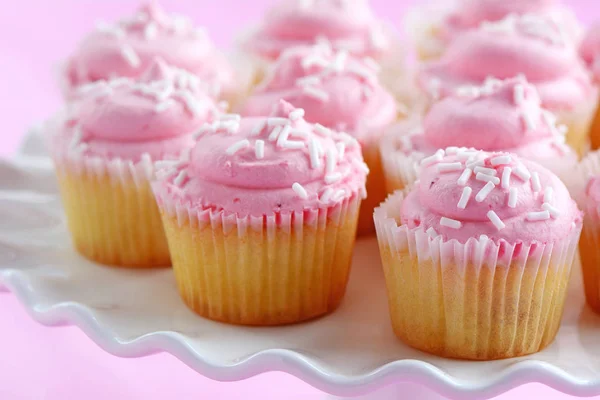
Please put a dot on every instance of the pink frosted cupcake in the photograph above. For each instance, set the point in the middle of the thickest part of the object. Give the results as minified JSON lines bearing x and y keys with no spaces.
{"x":499,"y":116}
{"x":343,"y":25}
{"x":126,"y":48}
{"x":104,"y":147}
{"x":477,"y":267}
{"x":261,"y":220}
{"x":337,"y":91}
{"x":590,"y":52}
{"x":435,"y":25}
{"x":533,"y":47}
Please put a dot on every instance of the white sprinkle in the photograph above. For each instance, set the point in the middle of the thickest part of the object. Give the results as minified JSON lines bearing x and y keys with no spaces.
{"x":330,"y":161}
{"x":362,"y":166}
{"x":529,"y":120}
{"x":501,"y":160}
{"x":452,"y":150}
{"x":437,"y":157}
{"x":506,"y":177}
{"x":464,"y":198}
{"x":191,"y":104}
{"x":341,"y":149}
{"x":275,"y":133}
{"x":449,"y":167}
{"x":522,"y":172}
{"x":150,"y":31}
{"x":332,"y":178}
{"x":549,"y":118}
{"x":231,"y":117}
{"x":130,"y":56}
{"x":311,"y":80}
{"x":178,"y":181}
{"x":258,"y":128}
{"x":293,"y":144}
{"x":554,"y":212}
{"x":466,"y":154}
{"x":339,"y":63}
{"x":326,"y":196}
{"x":234,"y":148}
{"x":321,"y":130}
{"x":160,"y":164}
{"x":487,"y":178}
{"x":362,"y":72}
{"x":300,"y":191}
{"x":283,"y":135}
{"x":548,"y":195}
{"x":486,"y":171}
{"x":259,"y":149}
{"x":450,"y":223}
{"x":538,"y":216}
{"x":431,"y":232}
{"x":296,"y":114}
{"x":338,"y":196}
{"x":313,"y":152}
{"x":164,"y":106}
{"x":315,"y":93}
{"x":483,"y":193}
{"x":512,"y":198}
{"x":519,"y":95}
{"x":535,"y":182}
{"x":77,"y":137}
{"x":492,"y":216}
{"x":314,"y":60}
{"x":464,"y":177}
{"x":277,"y":121}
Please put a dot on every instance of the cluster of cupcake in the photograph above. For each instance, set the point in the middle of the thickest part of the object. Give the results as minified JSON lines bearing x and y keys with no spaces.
{"x":247,"y":172}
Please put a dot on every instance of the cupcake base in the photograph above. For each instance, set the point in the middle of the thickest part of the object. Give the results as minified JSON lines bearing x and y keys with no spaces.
{"x":113,"y":222}
{"x":589,"y":250}
{"x":595,"y":130}
{"x":474,"y":301}
{"x":262,"y":271}
{"x":579,"y":122}
{"x":376,"y":190}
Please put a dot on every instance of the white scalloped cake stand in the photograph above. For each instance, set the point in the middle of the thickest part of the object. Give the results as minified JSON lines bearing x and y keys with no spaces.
{"x":351,"y":352}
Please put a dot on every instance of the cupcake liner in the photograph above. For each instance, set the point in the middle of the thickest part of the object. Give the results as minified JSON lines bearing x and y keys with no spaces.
{"x":266,"y":270}
{"x":423,"y":25}
{"x":589,"y":246}
{"x":479,"y":300}
{"x":111,"y":211}
{"x":579,"y":121}
{"x":400,"y":166}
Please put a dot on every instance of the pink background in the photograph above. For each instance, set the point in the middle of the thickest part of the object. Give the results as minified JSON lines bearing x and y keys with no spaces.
{"x":61,"y":363}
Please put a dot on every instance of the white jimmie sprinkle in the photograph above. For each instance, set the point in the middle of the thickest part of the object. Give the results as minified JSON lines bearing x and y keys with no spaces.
{"x":487,"y":178}
{"x":450,"y":223}
{"x":449,"y":167}
{"x":512,"y":198}
{"x":554,"y":212}
{"x":522,"y":173}
{"x":259,"y":149}
{"x":538,"y":216}
{"x":437,"y":157}
{"x":234,"y":148}
{"x":492,"y":216}
{"x":464,"y":198}
{"x":506,"y":177}
{"x":178,"y":181}
{"x":535,"y":182}
{"x":500,"y":160}
{"x":300,"y":191}
{"x":483,"y":193}
{"x":487,"y":171}
{"x":548,"y":195}
{"x":130,"y":56}
{"x":464,"y":177}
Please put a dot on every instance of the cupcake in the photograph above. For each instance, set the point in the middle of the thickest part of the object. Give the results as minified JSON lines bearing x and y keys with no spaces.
{"x":127,"y":48}
{"x":477,"y":264}
{"x":590,"y":52}
{"x":435,"y":25}
{"x":343,"y":25}
{"x":589,"y":246}
{"x":261,"y":220}
{"x":337,"y":91}
{"x":104,"y":147}
{"x":533,"y":47}
{"x":498,"y":116}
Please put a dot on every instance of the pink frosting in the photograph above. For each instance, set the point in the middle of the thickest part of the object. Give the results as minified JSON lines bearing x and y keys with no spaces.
{"x":590,"y":50}
{"x":346,"y":24}
{"x":128,"y":48}
{"x":469,"y":14}
{"x":528,"y":45}
{"x":334,"y":89}
{"x":532,"y":206}
{"x":592,"y":190}
{"x":499,"y":116}
{"x":123,"y":119}
{"x":300,"y":166}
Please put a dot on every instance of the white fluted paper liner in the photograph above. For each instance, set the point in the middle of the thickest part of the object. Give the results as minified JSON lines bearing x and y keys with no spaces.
{"x":422,"y":25}
{"x":587,"y":168}
{"x":579,"y":121}
{"x":260,"y":270}
{"x":474,"y":300}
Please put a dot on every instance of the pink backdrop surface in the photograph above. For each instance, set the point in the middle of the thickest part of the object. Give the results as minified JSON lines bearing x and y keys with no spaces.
{"x":61,"y":363}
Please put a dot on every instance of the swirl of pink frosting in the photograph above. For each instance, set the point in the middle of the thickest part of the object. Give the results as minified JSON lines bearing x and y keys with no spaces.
{"x":346,"y":24}
{"x":590,"y":50}
{"x":335,"y":89}
{"x":529,"y":45}
{"x":127,"y":48}
{"x":122,"y":118}
{"x":469,"y":14}
{"x":466,"y":194}
{"x":261,"y":165}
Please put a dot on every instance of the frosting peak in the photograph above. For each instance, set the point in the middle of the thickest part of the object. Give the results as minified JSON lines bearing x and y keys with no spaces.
{"x":534,"y":46}
{"x":590,"y":50}
{"x":335,"y":89}
{"x":346,"y":24}
{"x":281,"y":163}
{"x":465,"y":193}
{"x":497,"y":116}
